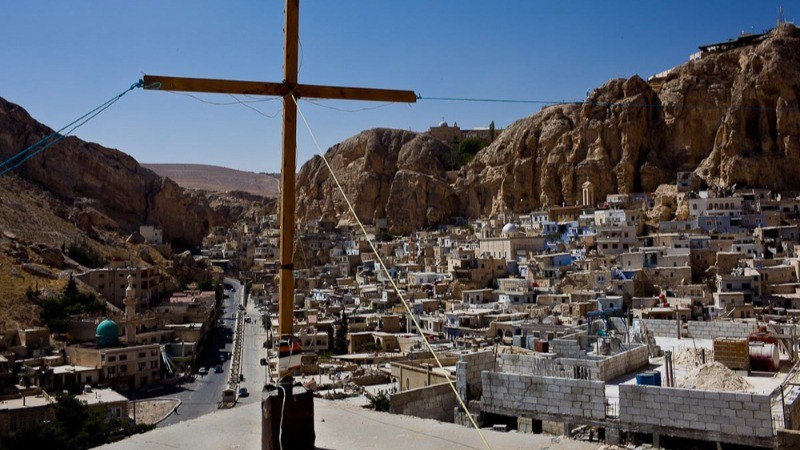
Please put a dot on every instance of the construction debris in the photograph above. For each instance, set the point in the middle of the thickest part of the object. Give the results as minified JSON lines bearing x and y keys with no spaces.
{"x":714,"y":377}
{"x":691,"y":357}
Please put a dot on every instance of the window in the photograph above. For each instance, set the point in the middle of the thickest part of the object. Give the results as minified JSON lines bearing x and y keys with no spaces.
{"x":112,"y":358}
{"x":142,"y":354}
{"x":123,"y":357}
{"x":112,"y":370}
{"x":123,"y":368}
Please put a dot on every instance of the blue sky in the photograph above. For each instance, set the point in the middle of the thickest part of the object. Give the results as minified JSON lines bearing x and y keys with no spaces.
{"x":61,"y":59}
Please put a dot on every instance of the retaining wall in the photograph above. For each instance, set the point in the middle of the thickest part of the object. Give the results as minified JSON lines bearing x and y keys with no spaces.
{"x":726,"y":413}
{"x":430,"y":402}
{"x":514,"y":395}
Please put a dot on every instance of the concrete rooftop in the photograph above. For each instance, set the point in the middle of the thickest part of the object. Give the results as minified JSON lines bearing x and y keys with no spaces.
{"x":338,"y":425}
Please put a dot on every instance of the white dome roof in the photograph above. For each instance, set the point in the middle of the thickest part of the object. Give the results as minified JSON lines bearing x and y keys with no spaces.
{"x":443,"y":124}
{"x":510,"y":228}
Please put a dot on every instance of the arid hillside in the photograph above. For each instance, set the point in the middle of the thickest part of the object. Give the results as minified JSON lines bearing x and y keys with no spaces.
{"x":218,"y":179}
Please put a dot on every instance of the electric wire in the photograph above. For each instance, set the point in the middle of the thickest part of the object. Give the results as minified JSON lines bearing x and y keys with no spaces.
{"x":389,"y":276}
{"x":238,"y":101}
{"x":368,"y":108}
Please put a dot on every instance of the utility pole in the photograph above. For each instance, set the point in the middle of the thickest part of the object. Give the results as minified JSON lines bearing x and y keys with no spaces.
{"x":290,"y":90}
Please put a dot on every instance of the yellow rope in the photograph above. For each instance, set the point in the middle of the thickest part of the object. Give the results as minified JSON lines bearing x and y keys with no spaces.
{"x":391,"y":280}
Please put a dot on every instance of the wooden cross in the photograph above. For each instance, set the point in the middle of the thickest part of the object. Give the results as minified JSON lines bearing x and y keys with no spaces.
{"x":286,"y":89}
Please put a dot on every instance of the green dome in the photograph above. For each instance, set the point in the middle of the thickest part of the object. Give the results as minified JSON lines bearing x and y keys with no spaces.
{"x":107,"y":333}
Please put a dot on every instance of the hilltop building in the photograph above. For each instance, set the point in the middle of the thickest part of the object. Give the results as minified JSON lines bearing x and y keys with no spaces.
{"x":454,"y":134}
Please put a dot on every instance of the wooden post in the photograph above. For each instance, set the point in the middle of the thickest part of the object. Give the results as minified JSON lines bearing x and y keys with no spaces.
{"x":288,"y":169}
{"x":290,"y":90}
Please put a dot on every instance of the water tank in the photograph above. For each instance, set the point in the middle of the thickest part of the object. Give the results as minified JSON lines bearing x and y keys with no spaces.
{"x":649,"y":378}
{"x":764,"y":357}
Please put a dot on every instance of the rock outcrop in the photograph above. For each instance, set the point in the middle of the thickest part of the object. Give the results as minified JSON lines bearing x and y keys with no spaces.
{"x":112,"y":189}
{"x":731,"y":117}
{"x":387,"y":174}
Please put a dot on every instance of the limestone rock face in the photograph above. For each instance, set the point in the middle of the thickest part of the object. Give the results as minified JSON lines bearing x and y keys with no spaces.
{"x":730,"y":117}
{"x":387,"y":174}
{"x":120,"y":191}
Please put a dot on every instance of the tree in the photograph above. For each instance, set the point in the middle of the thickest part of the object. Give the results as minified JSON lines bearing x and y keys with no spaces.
{"x":55,"y":311}
{"x":340,"y":341}
{"x":491,"y":131}
{"x":71,"y":291}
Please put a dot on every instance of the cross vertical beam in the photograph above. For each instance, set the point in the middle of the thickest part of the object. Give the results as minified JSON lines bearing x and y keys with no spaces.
{"x":289,"y":89}
{"x":288,"y":170}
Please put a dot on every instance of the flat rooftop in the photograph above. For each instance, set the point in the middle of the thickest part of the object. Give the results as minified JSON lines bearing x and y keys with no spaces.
{"x":338,"y":425}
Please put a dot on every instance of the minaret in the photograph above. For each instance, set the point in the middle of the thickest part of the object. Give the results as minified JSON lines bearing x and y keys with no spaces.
{"x":588,"y":193}
{"x":130,"y":312}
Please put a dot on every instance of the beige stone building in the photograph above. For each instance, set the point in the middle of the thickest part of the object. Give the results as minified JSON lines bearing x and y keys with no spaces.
{"x":111,"y":283}
{"x":454,"y":134}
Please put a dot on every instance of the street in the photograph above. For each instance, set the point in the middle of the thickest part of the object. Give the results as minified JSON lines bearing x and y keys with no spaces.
{"x":203,"y":395}
{"x":253,"y":350}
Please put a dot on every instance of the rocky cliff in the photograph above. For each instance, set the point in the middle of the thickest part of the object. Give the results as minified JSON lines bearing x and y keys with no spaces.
{"x":731,"y":117}
{"x":110,"y":187}
{"x":387,"y":174}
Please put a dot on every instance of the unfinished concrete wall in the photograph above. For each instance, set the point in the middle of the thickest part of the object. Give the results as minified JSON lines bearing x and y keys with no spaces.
{"x":568,"y":348}
{"x":661,"y":328}
{"x":584,"y":368}
{"x":721,"y":413}
{"x":468,"y":373}
{"x":623,"y":363}
{"x":700,"y":330}
{"x":515,"y":395}
{"x":431,"y":402}
{"x":600,"y":368}
{"x":792,"y":410}
{"x":711,"y":330}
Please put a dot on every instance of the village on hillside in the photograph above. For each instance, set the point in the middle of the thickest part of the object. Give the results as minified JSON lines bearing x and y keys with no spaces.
{"x":569,"y":320}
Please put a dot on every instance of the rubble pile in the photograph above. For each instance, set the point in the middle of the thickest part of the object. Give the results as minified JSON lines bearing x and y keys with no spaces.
{"x":691,"y":357}
{"x":714,"y":377}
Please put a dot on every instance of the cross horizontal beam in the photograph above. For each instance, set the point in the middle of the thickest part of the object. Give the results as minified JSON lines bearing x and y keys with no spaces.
{"x":214,"y":86}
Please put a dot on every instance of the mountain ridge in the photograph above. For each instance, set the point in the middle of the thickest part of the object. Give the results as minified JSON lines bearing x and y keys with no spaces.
{"x":730,"y":117}
{"x":214,"y":178}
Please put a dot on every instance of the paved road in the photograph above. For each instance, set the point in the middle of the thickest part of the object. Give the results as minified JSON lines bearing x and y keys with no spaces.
{"x":202,"y":396}
{"x":253,"y":350}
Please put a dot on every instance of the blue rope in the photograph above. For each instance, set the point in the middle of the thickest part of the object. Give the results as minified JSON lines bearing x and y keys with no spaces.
{"x":57,"y":136}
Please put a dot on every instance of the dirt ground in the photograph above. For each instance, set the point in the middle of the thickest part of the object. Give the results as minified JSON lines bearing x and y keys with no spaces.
{"x":152,"y":411}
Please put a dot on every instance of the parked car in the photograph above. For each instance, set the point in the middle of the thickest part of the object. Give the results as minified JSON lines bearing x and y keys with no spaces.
{"x":202,"y":371}
{"x":218,"y":369}
{"x":243,"y":392}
